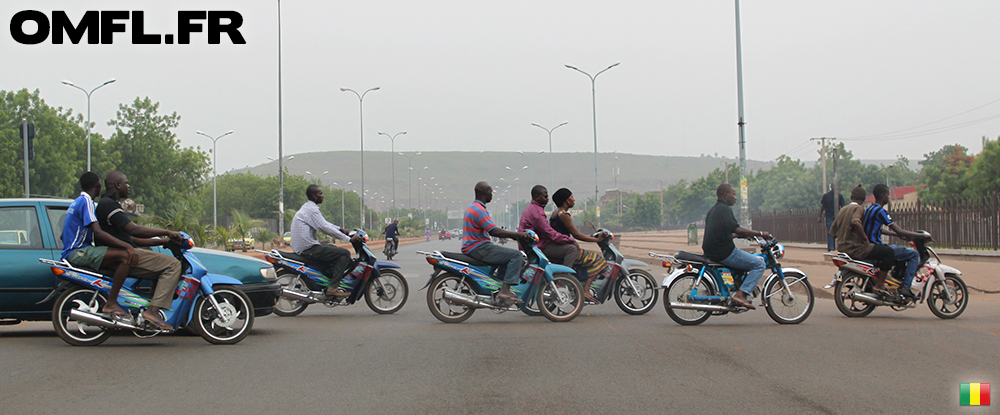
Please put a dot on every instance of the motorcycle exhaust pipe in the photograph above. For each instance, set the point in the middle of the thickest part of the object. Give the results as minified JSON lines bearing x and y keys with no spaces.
{"x":867,"y":298}
{"x":465,"y":299}
{"x":700,"y":307}
{"x":96,"y":320}
{"x":295,"y":295}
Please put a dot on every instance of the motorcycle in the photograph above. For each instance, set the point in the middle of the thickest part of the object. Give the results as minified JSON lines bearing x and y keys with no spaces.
{"x":390,"y":249}
{"x":383,"y":286}
{"x":634,"y":289}
{"x":459,"y":285}
{"x":700,"y":288}
{"x":211,"y":305}
{"x":936,"y":284}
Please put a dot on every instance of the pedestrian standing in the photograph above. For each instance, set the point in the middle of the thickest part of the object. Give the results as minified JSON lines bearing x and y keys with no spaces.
{"x":829,"y":212}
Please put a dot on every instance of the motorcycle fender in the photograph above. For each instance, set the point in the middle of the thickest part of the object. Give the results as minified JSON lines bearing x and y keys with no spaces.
{"x":948,"y":270}
{"x":55,"y":291}
{"x":385,"y":264}
{"x":631,"y":263}
{"x":431,"y":279}
{"x":784,"y":271}
{"x":210,"y":280}
{"x":669,"y":279}
{"x":552,"y":269}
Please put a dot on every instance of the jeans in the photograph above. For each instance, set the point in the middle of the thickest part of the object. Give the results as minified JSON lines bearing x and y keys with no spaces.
{"x":507,"y":260}
{"x":912,"y":259}
{"x":335,"y":258}
{"x":742,"y":260}
{"x":831,"y":243}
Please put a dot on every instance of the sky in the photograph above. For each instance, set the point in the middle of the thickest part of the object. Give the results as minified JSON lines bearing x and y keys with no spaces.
{"x":886,"y":78}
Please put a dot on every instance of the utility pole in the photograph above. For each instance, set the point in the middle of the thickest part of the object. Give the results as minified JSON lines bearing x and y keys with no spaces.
{"x":24,"y":142}
{"x":836,"y":200}
{"x":822,"y":141}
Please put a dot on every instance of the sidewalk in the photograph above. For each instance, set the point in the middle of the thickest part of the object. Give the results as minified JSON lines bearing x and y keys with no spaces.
{"x":977,"y":271}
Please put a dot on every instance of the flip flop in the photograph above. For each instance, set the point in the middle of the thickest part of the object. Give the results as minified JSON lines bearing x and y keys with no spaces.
{"x":161,"y":325}
{"x":510,"y":297}
{"x":591,"y":298}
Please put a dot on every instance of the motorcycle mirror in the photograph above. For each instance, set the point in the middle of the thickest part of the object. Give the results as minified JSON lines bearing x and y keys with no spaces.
{"x":590,"y":224}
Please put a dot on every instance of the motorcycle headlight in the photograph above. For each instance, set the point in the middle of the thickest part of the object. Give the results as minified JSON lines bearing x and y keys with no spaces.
{"x":778,"y":251}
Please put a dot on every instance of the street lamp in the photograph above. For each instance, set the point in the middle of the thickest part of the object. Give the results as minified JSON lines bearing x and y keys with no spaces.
{"x":409,"y":179}
{"x":552,"y":169}
{"x":593,"y":94}
{"x":517,"y":174}
{"x":65,"y":82}
{"x":531,"y":173}
{"x":315,"y":177}
{"x":215,"y":174}
{"x":361,"y":107}
{"x":281,"y":190}
{"x":343,"y":195}
{"x":392,"y":155}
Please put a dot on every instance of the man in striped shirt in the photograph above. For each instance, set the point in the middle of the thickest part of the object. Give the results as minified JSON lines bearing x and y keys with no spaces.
{"x":306,"y":222}
{"x":477,"y":228}
{"x":874,"y":218}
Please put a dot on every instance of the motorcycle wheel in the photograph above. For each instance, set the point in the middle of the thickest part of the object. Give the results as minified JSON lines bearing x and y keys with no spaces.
{"x":228,"y":324}
{"x":549,"y":302}
{"x":530,"y":307}
{"x":636,"y":303}
{"x":72,"y":331}
{"x":445,"y":310}
{"x":287,"y":307}
{"x":789,"y":309}
{"x":851,"y":283}
{"x":679,"y":291}
{"x":388,"y":293}
{"x":940,"y":305}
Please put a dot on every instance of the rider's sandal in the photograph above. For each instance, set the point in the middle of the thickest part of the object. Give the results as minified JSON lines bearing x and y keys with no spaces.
{"x":509,"y":297}
{"x":161,"y":325}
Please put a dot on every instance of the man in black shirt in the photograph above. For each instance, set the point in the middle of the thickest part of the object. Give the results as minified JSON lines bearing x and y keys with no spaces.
{"x":150,"y":265}
{"x":720,"y":227}
{"x":829,"y":211}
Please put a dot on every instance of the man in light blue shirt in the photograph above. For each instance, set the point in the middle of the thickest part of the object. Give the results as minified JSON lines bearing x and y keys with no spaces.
{"x":307,"y":221}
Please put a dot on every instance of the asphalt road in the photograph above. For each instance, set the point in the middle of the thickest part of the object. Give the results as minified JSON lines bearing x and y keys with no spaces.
{"x":351,"y":360}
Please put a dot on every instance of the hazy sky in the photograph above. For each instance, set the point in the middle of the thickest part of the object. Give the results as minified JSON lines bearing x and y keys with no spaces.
{"x":473,"y":75}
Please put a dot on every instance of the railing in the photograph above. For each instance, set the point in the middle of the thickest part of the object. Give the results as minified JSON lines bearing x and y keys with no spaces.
{"x":972,"y":223}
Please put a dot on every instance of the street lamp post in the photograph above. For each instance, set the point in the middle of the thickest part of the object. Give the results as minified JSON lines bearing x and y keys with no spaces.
{"x":281,"y":189}
{"x":593,"y":94}
{"x":361,"y":111}
{"x":343,"y":195}
{"x":517,"y":178}
{"x":409,"y":178}
{"x":531,"y":163}
{"x":215,"y":175}
{"x":65,"y":82}
{"x":392,"y":155}
{"x":317,"y":177}
{"x":552,"y":169}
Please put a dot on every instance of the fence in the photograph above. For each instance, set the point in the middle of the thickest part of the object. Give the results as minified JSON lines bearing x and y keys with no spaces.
{"x":957,"y":223}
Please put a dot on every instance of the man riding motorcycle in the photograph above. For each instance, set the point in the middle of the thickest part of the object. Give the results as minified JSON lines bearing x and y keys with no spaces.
{"x":720,"y":227}
{"x":875,"y":217}
{"x":306,"y":222}
{"x":391,"y":232}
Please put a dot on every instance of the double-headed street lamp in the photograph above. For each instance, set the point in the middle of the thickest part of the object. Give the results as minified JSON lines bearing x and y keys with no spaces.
{"x":517,"y":178}
{"x":531,"y":163}
{"x":409,"y":178}
{"x":317,"y":177}
{"x":593,"y":94}
{"x":215,"y":175}
{"x":361,"y":106}
{"x":343,"y":195}
{"x":552,"y":169}
{"x":65,"y":82}
{"x":392,"y":155}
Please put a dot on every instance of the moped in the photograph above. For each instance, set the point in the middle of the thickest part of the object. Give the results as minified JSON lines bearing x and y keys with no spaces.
{"x":634,"y":289}
{"x":211,"y":305}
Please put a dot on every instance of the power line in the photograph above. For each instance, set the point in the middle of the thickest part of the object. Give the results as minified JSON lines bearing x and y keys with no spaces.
{"x":927,"y":132}
{"x":922,"y":125}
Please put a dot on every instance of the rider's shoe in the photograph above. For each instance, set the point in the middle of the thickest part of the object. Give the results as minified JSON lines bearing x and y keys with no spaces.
{"x":337,"y":293}
{"x":742,"y":302}
{"x":908,"y":294}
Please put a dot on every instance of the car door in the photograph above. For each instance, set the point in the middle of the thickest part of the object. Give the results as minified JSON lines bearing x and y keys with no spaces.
{"x":23,"y":280}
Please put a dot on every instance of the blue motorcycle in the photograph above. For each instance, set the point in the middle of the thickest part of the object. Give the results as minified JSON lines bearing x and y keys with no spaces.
{"x":211,"y":305}
{"x":700,"y":288}
{"x":384,"y":288}
{"x":460,"y":284}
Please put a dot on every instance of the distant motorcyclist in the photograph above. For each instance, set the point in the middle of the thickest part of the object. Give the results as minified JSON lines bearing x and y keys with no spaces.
{"x":875,"y":218}
{"x":848,"y":229}
{"x":306,"y":222}
{"x":391,"y":232}
{"x":720,"y":228}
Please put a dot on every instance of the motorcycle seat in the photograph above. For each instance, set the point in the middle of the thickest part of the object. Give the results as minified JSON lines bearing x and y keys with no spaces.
{"x":696,"y":258}
{"x":464,"y":258}
{"x":292,"y":256}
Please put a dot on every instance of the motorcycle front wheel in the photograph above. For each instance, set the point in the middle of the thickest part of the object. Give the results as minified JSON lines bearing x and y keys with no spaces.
{"x":849,"y":284}
{"x":287,"y":307}
{"x":640,"y":300}
{"x":388,"y":293}
{"x":939,"y":303}
{"x":72,"y":331}
{"x":561,"y":299}
{"x":530,"y":307}
{"x":679,"y":291}
{"x":786,"y":307}
{"x":228,"y":323}
{"x":446,"y":310}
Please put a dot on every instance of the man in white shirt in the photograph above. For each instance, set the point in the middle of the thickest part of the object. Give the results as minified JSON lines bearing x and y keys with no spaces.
{"x":306,"y":222}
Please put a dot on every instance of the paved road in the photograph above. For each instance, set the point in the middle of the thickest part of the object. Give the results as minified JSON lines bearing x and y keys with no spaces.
{"x":350,"y":360}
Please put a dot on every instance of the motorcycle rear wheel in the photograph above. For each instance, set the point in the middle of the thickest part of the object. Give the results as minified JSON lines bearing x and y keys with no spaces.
{"x":679,"y":291}
{"x":789,"y":309}
{"x":851,"y":283}
{"x":227,"y":325}
{"x":554,"y":308}
{"x":388,"y":293}
{"x":940,"y":306}
{"x":445,"y":310}
{"x":287,"y":307}
{"x":636,"y":303}
{"x":71,"y":331}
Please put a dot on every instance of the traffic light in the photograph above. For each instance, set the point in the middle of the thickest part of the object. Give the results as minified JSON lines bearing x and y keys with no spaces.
{"x":31,"y":138}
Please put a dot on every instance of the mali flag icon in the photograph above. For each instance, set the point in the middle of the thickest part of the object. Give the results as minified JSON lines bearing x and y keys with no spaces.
{"x":974,"y":394}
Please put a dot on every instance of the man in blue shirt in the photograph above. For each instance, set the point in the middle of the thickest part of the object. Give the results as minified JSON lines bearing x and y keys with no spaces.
{"x":477,"y":227}
{"x":875,"y":218}
{"x":78,"y":242}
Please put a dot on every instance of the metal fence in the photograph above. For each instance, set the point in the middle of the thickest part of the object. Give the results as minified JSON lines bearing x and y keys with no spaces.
{"x":957,"y":223}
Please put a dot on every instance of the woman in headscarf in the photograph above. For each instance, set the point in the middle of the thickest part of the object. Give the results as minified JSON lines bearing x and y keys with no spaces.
{"x":562,"y":222}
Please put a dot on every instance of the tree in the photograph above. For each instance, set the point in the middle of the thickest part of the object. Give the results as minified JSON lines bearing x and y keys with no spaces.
{"x":158,"y":168}
{"x":643,"y":211}
{"x":944,"y":173}
{"x":984,"y":174}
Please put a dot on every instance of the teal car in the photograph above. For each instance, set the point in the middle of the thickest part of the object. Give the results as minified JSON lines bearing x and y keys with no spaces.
{"x":32,"y":229}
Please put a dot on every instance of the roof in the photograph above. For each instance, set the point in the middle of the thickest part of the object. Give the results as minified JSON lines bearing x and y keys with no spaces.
{"x":896,"y":193}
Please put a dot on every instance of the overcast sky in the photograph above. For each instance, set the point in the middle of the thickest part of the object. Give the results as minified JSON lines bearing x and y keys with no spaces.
{"x":474,"y":75}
